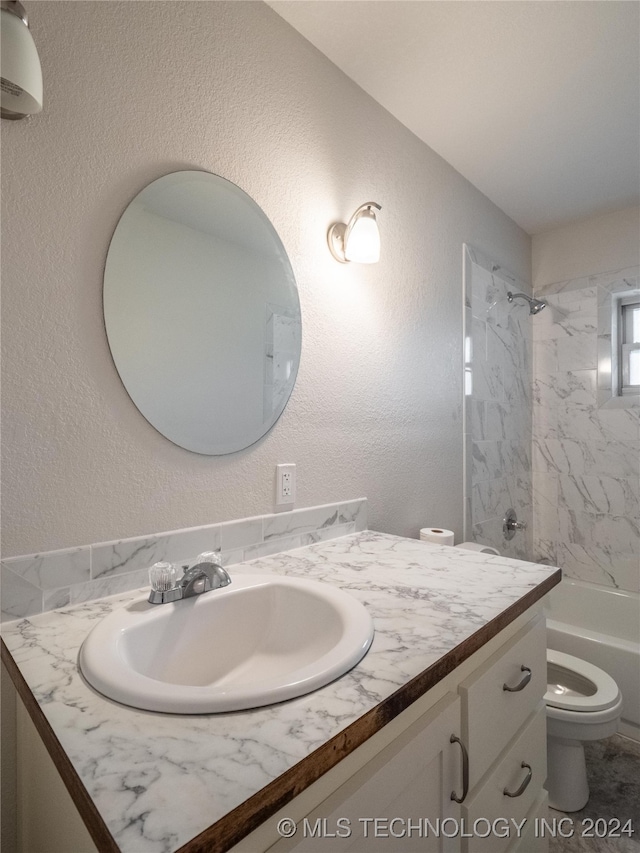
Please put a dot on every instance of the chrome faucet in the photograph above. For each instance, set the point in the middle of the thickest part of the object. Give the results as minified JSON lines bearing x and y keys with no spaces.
{"x":202,"y":577}
{"x":207,"y":574}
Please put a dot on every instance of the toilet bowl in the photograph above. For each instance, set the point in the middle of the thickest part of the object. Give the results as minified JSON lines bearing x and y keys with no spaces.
{"x":583,"y":703}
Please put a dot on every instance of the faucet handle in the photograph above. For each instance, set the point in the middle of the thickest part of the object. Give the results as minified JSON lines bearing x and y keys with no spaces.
{"x":210,"y":563}
{"x":162,"y":576}
{"x":209,"y":557}
{"x":510,"y":524}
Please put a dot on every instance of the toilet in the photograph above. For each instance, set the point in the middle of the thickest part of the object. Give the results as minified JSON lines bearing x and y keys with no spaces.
{"x":583,"y":703}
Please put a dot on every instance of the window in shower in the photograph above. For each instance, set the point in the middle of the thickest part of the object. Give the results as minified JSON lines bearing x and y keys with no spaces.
{"x":629,"y":333}
{"x":618,"y":341}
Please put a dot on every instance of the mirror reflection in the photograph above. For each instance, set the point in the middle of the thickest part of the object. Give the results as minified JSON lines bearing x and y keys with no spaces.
{"x":202,"y":312}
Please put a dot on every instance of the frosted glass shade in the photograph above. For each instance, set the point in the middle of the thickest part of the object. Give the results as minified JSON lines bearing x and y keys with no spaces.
{"x":362,"y":243}
{"x":21,"y":71}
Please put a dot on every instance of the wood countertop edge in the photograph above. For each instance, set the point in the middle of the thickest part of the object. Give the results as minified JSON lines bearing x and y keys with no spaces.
{"x":236,"y":824}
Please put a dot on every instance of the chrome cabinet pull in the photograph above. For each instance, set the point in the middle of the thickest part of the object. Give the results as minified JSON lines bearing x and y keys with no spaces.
{"x":522,"y":787}
{"x":526,"y":678}
{"x":465,"y":770}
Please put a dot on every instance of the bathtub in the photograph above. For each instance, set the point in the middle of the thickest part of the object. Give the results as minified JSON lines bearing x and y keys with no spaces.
{"x":601,"y":626}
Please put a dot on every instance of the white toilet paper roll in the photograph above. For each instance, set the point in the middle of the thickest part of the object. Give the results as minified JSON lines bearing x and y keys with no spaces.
{"x":474,"y":546}
{"x":437,"y":535}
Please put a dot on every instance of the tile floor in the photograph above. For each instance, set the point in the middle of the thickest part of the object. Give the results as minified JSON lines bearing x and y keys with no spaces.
{"x":613,"y":768}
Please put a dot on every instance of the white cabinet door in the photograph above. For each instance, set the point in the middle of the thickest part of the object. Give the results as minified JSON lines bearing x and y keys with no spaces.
{"x":386,"y":805}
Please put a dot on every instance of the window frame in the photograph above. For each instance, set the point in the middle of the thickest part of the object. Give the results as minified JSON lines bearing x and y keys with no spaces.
{"x":626,"y":344}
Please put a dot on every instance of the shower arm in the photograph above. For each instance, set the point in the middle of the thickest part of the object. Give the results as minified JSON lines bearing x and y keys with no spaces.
{"x":535,"y":305}
{"x":511,"y":296}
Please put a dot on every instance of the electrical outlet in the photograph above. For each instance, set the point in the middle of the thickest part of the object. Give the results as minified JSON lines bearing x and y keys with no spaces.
{"x":285,"y":485}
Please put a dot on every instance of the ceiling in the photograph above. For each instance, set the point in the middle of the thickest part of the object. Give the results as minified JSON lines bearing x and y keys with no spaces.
{"x":536,"y":102}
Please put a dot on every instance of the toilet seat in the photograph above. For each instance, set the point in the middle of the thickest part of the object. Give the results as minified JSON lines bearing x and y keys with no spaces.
{"x":606,"y":692}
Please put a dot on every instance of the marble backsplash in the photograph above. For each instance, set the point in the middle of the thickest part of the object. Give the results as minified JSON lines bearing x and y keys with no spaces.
{"x":36,"y":583}
{"x":586,"y":453}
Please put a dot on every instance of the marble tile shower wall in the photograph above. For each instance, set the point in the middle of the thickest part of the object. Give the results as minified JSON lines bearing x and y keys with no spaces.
{"x":39,"y":582}
{"x":586,"y":457}
{"x":498,"y":412}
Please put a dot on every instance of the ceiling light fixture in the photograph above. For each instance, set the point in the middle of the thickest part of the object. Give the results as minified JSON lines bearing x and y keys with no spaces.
{"x":21,"y":83}
{"x":359,"y":239}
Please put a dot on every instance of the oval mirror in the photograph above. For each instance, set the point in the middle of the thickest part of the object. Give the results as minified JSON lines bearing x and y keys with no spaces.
{"x":202,"y":312}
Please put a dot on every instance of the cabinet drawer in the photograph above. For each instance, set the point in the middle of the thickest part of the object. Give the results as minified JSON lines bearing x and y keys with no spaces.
{"x":490,"y":802}
{"x":492,"y":714}
{"x":533,"y":838}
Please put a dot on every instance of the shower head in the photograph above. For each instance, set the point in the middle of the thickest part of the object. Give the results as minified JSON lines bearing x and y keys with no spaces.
{"x":535,"y":305}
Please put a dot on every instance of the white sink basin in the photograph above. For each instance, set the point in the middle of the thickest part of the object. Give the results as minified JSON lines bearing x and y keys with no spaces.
{"x":263,"y":639}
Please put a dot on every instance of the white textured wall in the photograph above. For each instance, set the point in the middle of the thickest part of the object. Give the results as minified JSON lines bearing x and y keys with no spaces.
{"x":600,"y":244}
{"x":135,"y":90}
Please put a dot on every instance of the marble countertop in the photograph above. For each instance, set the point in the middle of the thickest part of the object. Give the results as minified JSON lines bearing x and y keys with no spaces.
{"x":158,"y":780}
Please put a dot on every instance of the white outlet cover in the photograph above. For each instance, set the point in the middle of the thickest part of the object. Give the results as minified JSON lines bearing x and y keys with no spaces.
{"x":285,"y":485}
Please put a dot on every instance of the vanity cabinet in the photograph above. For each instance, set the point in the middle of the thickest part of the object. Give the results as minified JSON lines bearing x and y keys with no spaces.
{"x":479,"y":734}
{"x":495,"y":704}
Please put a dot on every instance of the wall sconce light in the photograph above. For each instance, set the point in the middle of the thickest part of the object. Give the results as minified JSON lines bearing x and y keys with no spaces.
{"x":359,"y":239}
{"x":21,"y":83}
